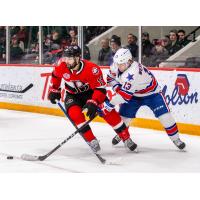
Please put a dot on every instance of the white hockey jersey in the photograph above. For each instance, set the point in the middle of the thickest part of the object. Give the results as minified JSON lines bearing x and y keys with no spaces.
{"x":137,"y":81}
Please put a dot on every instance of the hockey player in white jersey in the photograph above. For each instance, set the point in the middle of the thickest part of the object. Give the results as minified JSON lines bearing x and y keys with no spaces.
{"x":136,"y":86}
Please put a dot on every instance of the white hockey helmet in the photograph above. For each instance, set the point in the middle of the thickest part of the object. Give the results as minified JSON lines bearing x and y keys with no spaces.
{"x":122,"y":56}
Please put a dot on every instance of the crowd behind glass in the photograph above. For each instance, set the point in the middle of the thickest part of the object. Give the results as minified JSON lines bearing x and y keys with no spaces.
{"x":24,"y":46}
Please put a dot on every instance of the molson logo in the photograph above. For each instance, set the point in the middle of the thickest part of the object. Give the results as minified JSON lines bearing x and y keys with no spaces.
{"x":180,"y":95}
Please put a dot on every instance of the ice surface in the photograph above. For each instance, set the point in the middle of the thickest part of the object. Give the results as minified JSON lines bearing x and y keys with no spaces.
{"x":37,"y":134}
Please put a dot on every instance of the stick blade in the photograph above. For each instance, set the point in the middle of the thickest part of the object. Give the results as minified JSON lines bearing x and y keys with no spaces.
{"x":29,"y":157}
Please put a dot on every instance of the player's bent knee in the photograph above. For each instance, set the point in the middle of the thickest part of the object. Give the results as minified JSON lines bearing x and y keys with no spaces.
{"x":75,"y":113}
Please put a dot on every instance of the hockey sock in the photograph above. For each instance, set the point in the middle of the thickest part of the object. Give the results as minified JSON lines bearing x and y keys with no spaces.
{"x":75,"y":113}
{"x":124,"y":134}
{"x":113,"y":119}
{"x":126,"y":120}
{"x":170,"y":126}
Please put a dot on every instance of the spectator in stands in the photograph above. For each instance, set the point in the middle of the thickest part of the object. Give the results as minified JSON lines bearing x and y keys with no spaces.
{"x":90,"y":32}
{"x":146,"y":49}
{"x":132,"y":46}
{"x":174,"y":45}
{"x":86,"y":53}
{"x":154,"y":41}
{"x":35,"y":48}
{"x":14,"y":30}
{"x":105,"y":53}
{"x":15,"y":51}
{"x":56,"y":38}
{"x":47,"y":43}
{"x":73,"y":35}
{"x":115,"y":43}
{"x":159,"y":53}
{"x":3,"y":35}
{"x":2,"y":52}
{"x":146,"y":45}
{"x":32,"y":55}
{"x":54,"y":55}
{"x":166,"y":42}
{"x":22,"y":35}
{"x":65,"y":42}
{"x":183,"y":41}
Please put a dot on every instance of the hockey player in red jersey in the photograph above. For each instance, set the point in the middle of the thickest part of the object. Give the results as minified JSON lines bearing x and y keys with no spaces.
{"x":85,"y":90}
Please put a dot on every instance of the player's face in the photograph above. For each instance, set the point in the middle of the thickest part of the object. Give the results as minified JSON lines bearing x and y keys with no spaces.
{"x":73,"y":62}
{"x":122,"y":67}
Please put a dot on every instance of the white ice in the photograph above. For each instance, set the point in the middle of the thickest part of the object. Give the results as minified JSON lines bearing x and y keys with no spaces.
{"x":37,"y":134}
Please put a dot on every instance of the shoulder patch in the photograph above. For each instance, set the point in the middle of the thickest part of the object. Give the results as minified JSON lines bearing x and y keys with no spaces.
{"x":95,"y":70}
{"x":66,"y":76}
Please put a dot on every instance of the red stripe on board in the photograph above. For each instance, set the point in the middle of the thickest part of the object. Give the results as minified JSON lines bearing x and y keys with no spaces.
{"x":107,"y":67}
{"x":175,"y":69}
{"x":24,"y":65}
{"x":166,"y":69}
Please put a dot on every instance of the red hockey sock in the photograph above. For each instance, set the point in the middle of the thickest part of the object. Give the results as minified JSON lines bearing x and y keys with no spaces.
{"x":112,"y":118}
{"x":89,"y":136}
{"x":124,"y":135}
{"x":75,"y":113}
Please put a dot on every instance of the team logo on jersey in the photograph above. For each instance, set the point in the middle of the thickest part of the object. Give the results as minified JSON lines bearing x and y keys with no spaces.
{"x":66,"y":76}
{"x":69,"y":101}
{"x":130,"y":77}
{"x":95,"y":70}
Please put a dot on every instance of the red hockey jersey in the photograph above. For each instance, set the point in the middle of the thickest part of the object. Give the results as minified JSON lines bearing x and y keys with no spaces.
{"x":88,"y":77}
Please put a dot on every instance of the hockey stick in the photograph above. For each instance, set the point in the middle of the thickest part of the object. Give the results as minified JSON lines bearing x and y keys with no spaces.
{"x":29,"y":157}
{"x":102,"y":160}
{"x":19,"y":91}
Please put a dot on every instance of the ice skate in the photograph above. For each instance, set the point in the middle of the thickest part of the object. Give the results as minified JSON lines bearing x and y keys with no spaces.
{"x":130,"y":145}
{"x":94,"y":144}
{"x":116,"y":140}
{"x":181,"y":145}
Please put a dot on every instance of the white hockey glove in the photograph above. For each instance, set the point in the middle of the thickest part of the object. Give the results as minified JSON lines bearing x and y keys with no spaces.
{"x":105,"y":108}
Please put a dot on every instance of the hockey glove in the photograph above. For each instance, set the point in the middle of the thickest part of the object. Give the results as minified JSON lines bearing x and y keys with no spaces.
{"x":116,"y":87}
{"x":91,"y":108}
{"x":54,"y":95}
{"x":105,"y":108}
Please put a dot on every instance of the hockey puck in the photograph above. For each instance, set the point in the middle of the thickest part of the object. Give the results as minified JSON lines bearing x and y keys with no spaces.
{"x":9,"y":157}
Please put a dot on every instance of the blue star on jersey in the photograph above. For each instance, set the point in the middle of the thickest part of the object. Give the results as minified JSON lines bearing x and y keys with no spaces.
{"x":130,"y":77}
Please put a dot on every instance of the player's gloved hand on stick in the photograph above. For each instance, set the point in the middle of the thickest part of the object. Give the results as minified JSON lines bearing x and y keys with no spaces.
{"x":54,"y":94}
{"x":105,"y":107}
{"x":116,"y":87}
{"x":91,"y":108}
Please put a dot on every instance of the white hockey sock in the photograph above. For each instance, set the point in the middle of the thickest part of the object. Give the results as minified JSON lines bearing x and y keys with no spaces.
{"x":126,"y":120}
{"x":170,"y":126}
